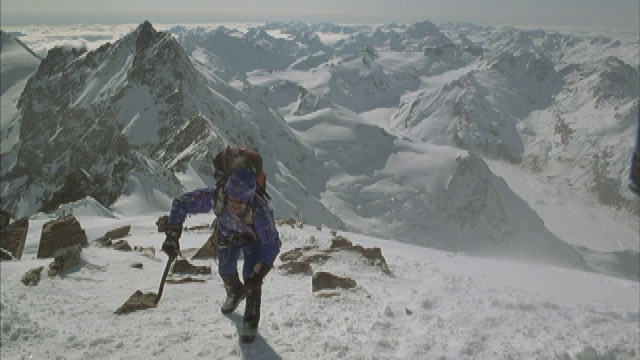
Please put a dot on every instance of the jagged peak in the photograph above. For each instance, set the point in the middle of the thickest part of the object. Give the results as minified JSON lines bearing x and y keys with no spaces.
{"x":58,"y":58}
{"x":146,"y":27}
{"x":420,"y":29}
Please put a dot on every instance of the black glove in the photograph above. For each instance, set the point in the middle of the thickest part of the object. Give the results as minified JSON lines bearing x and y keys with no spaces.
{"x":260,"y":270}
{"x":171,"y":245}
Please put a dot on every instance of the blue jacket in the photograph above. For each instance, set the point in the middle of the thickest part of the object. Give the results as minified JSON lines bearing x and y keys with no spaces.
{"x":232,"y":230}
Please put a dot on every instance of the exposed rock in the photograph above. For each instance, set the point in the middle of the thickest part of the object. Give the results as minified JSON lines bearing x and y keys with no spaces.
{"x":5,"y":218}
{"x":32,"y":277}
{"x":328,"y":294}
{"x":75,"y":187}
{"x":296,"y":267}
{"x":184,"y":280}
{"x":5,"y":255}
{"x":295,"y":261}
{"x":13,"y":237}
{"x":299,"y":260}
{"x":122,"y":245}
{"x":109,"y":236}
{"x":149,"y":251}
{"x":374,"y":255}
{"x":296,"y":253}
{"x":138,"y":301}
{"x":118,"y":233}
{"x":291,"y":222}
{"x":61,"y":233}
{"x":324,"y":280}
{"x":317,"y":258}
{"x":137,"y":265}
{"x":104,"y":241}
{"x":340,"y":242}
{"x":207,"y":251}
{"x":185,"y":267}
{"x":64,"y":259}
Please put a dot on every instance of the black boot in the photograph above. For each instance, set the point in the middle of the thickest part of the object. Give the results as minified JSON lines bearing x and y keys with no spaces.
{"x":251,"y":311}
{"x":235,"y":293}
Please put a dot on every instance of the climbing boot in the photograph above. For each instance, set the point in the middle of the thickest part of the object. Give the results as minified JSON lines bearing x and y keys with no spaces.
{"x":235,"y":293}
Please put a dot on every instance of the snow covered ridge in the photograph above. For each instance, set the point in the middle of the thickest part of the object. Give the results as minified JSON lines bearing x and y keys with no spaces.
{"x":137,"y":105}
{"x":138,"y":121}
{"x":435,"y":305}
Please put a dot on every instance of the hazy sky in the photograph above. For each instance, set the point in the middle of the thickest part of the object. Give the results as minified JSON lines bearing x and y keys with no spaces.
{"x":618,"y":13}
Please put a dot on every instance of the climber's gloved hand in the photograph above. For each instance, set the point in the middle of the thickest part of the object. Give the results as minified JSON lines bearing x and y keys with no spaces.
{"x":260,"y":270}
{"x":171,"y":244}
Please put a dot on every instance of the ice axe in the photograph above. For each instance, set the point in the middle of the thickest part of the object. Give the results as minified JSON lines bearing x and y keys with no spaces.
{"x":172,"y":257}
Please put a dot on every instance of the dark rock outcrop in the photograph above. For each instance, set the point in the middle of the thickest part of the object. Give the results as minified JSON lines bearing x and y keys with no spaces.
{"x":374,"y":255}
{"x":61,"y":233}
{"x":32,"y":277}
{"x":13,"y":237}
{"x":4,"y":255}
{"x":109,"y":236}
{"x":5,"y":218}
{"x":325,"y":280}
{"x":138,"y":301}
{"x":65,"y":259}
{"x":299,"y":260}
{"x":184,"y":280}
{"x":149,"y":251}
{"x":185,"y":267}
{"x":118,"y":232}
{"x":122,"y":245}
{"x":207,"y":251}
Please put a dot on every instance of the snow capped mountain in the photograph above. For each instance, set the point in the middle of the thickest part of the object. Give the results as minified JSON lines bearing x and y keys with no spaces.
{"x":359,"y":83}
{"x":589,"y":130}
{"x":424,"y":34}
{"x":460,"y":113}
{"x":453,"y":149}
{"x":153,"y":108}
{"x":255,"y":49}
{"x":141,"y":109}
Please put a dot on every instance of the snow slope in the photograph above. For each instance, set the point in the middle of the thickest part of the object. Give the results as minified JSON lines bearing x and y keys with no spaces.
{"x":344,"y":157}
{"x":434,"y":305}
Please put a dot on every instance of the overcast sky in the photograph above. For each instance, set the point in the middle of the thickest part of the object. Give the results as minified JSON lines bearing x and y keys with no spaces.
{"x":617,"y":13}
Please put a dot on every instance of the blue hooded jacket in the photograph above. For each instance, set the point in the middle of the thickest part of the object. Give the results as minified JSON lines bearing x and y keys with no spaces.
{"x":232,"y":230}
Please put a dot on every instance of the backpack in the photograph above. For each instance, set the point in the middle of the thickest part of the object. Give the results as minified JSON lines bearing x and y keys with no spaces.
{"x":237,"y":157}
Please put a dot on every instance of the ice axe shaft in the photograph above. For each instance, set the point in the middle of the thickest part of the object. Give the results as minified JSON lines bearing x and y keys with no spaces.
{"x":164,"y":277}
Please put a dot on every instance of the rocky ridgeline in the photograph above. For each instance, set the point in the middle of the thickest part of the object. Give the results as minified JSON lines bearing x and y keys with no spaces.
{"x":300,"y":261}
{"x":62,"y":240}
{"x":13,"y":235}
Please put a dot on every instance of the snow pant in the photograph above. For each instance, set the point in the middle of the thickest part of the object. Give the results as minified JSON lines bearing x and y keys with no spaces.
{"x":227,"y":268}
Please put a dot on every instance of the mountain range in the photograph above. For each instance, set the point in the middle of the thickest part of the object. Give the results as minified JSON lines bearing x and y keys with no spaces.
{"x":388,"y":131}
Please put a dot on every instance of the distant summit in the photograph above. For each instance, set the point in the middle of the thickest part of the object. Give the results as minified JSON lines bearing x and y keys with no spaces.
{"x":131,"y":114}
